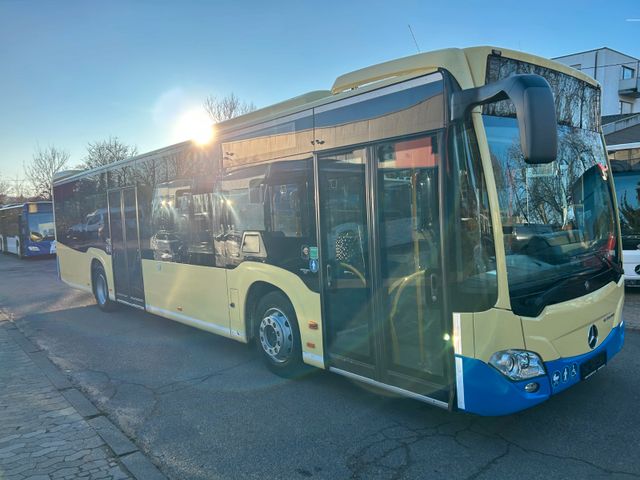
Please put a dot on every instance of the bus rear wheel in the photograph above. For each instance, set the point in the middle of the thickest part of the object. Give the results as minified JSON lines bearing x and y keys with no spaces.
{"x":277,"y":336}
{"x":101,"y":290}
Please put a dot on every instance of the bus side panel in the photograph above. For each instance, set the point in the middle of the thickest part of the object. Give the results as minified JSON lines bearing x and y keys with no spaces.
{"x":13,"y":244}
{"x":192,"y":294}
{"x":75,"y":267}
{"x":306,"y":304}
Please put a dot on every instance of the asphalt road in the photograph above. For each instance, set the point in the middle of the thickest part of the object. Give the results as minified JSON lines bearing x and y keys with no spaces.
{"x":202,"y":406}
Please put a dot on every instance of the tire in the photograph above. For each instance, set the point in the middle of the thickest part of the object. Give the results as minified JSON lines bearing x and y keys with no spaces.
{"x":277,"y":336}
{"x":101,"y":290}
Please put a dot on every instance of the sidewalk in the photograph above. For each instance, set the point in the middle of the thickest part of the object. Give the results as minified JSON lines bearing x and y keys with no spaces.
{"x":49,"y":430}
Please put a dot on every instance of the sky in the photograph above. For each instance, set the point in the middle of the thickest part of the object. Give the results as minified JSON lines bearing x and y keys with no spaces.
{"x":74,"y":72}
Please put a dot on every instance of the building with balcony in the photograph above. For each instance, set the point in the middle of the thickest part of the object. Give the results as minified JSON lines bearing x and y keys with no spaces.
{"x":617,"y":73}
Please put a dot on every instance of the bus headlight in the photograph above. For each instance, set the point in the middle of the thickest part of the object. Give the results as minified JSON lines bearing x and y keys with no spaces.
{"x":33,"y":248}
{"x":517,"y":364}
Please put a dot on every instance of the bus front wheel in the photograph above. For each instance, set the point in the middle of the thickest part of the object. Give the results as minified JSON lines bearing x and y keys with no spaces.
{"x":101,"y":290}
{"x":277,"y":335}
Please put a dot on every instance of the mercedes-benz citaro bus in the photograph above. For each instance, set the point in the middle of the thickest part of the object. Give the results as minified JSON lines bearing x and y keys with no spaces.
{"x":27,"y":229}
{"x":442,"y":226}
{"x":625,"y":165}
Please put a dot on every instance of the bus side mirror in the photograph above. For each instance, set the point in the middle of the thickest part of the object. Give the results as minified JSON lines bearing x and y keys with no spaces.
{"x":535,"y":111}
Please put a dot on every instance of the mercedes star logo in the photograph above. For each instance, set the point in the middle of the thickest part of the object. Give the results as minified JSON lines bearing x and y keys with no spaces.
{"x":587,"y":285}
{"x":592,"y":338}
{"x":637,"y":269}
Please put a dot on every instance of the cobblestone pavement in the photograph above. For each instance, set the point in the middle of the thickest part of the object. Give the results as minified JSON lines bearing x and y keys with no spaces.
{"x":631,"y":310}
{"x":42,"y":436}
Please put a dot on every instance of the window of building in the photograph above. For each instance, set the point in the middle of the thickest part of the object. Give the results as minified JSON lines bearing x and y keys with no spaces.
{"x":626,"y":107}
{"x":628,"y":72}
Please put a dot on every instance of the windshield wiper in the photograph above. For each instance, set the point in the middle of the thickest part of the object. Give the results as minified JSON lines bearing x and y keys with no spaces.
{"x":616,"y":267}
{"x":541,"y":300}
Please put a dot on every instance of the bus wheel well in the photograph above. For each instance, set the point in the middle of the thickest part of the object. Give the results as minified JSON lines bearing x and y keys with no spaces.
{"x":95,"y":265}
{"x":255,"y":293}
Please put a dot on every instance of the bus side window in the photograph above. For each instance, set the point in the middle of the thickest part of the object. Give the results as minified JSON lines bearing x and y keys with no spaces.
{"x":286,"y":212}
{"x":473,"y":249}
{"x":242,"y":197}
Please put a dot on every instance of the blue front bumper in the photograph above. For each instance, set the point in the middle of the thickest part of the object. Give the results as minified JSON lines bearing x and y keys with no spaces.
{"x":34,"y":249}
{"x":488,"y":392}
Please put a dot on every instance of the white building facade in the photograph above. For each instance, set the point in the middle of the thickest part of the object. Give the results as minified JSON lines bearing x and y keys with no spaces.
{"x":616,"y":72}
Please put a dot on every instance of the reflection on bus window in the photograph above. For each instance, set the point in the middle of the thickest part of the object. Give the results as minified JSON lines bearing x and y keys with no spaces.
{"x":182,"y":222}
{"x":286,"y":211}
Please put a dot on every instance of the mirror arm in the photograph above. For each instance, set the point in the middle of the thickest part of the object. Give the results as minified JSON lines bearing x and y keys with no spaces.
{"x":463,"y":101}
{"x":535,"y":111}
{"x":511,"y":87}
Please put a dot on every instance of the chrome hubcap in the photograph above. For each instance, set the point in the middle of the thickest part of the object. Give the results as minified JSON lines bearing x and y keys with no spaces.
{"x":276,"y":335}
{"x":101,"y":290}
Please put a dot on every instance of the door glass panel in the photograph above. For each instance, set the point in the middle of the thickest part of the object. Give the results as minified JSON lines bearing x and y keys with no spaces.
{"x":132,"y":244}
{"x":118,"y":255}
{"x":409,"y":235}
{"x":345,"y":235}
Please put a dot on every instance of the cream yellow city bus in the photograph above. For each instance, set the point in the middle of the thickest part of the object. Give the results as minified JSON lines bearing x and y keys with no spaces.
{"x":442,"y":226}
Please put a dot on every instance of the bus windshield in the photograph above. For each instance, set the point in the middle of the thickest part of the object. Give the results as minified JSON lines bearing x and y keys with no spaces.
{"x":559,"y":225}
{"x":41,"y":226}
{"x":628,"y":192}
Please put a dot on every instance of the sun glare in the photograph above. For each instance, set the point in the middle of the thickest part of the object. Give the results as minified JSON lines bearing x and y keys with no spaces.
{"x":194,"y":125}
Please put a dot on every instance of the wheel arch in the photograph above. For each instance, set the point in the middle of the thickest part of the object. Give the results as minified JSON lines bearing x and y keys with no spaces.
{"x":95,"y":265}
{"x":256,"y":292}
{"x":97,"y":261}
{"x":252,"y":280}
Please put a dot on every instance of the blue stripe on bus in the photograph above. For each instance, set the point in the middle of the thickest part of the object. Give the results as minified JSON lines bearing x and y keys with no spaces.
{"x":488,"y":392}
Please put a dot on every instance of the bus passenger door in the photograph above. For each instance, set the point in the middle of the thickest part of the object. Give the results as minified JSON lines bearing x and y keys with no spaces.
{"x":381,"y":264}
{"x":350,"y":339}
{"x":125,"y":246}
{"x":410,"y":307}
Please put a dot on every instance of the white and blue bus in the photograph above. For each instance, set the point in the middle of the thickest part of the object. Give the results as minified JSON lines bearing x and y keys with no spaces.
{"x":625,"y":163}
{"x":27,"y":229}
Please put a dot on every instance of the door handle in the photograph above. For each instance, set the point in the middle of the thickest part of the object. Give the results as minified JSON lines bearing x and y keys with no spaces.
{"x":329,"y":279}
{"x":433,"y":282}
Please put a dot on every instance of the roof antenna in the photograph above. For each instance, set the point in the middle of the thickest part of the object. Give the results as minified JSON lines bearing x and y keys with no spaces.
{"x":414,"y":37}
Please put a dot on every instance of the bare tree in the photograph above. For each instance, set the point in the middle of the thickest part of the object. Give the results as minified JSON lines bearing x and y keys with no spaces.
{"x":5,"y":188}
{"x":19,"y":189}
{"x":107,"y":151}
{"x":45,"y":164}
{"x":225,"y":108}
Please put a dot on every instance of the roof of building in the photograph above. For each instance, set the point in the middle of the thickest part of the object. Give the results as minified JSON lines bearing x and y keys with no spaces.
{"x":621,"y":129}
{"x":628,"y":135}
{"x":614,"y":118}
{"x":595,"y":50}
